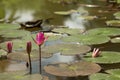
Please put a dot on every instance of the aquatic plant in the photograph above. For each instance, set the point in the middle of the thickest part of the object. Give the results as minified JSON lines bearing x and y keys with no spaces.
{"x":106,"y":57}
{"x":112,"y":74}
{"x":9,"y":46}
{"x":40,"y":39}
{"x":96,"y":52}
{"x":81,"y":68}
{"x":28,"y":49}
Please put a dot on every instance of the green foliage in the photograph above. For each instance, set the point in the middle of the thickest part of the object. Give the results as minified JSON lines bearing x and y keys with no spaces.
{"x":67,"y":31}
{"x":87,"y":39}
{"x":19,"y":75}
{"x":104,"y":31}
{"x":115,"y":40}
{"x":106,"y":57}
{"x":113,"y":23}
{"x":102,"y":76}
{"x":113,"y":74}
{"x":117,"y":15}
{"x":67,"y":49}
{"x":4,"y":27}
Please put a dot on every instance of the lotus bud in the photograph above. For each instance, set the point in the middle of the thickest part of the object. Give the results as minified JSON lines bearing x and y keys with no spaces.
{"x":9,"y":47}
{"x":28,"y":47}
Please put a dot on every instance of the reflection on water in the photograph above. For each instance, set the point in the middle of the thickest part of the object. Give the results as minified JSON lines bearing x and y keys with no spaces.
{"x":24,"y":15}
{"x":19,"y":10}
{"x":56,"y":58}
{"x":76,"y":19}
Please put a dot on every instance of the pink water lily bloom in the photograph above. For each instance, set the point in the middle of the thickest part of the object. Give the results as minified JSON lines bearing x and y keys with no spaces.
{"x":9,"y":47}
{"x":96,"y":52}
{"x":40,"y":38}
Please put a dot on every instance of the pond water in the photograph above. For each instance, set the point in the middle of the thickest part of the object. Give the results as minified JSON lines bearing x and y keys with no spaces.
{"x":17,"y":11}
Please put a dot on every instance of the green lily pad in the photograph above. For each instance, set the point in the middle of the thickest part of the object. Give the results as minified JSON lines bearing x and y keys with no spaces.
{"x":7,"y":65}
{"x":20,"y":75}
{"x":89,"y":17}
{"x":62,"y":12}
{"x":2,"y":52}
{"x":117,"y":15}
{"x":115,"y":40}
{"x":14,"y":33}
{"x":102,"y":76}
{"x":72,"y":69}
{"x":87,"y":39}
{"x":67,"y":49}
{"x":19,"y":44}
{"x":8,"y":26}
{"x":106,"y":57}
{"x":104,"y":31}
{"x":67,"y":31}
{"x":113,"y":23}
{"x":72,"y":49}
{"x":114,"y":72}
{"x":23,"y":56}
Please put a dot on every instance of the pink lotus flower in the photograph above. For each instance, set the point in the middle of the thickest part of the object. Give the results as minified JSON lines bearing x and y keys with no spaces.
{"x":96,"y":52}
{"x":28,"y":47}
{"x":40,"y":38}
{"x":9,"y":47}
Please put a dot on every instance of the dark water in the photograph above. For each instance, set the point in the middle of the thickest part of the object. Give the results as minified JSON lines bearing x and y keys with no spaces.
{"x":27,"y":10}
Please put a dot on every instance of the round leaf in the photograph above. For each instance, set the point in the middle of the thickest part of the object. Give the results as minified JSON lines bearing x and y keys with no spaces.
{"x":73,"y":69}
{"x":106,"y":57}
{"x":87,"y":39}
{"x":104,"y":31}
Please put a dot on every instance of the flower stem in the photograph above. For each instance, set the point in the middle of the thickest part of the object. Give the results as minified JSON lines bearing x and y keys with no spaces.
{"x":30,"y":64}
{"x":40,"y":59}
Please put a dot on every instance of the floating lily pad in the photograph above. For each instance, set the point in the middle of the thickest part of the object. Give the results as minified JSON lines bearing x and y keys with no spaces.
{"x":102,"y":76}
{"x":71,"y":49}
{"x":67,"y":31}
{"x":62,"y":12}
{"x":23,"y":56}
{"x":20,"y":75}
{"x":67,"y":49}
{"x":54,"y":37}
{"x":19,"y":44}
{"x":73,"y":69}
{"x":117,"y":15}
{"x":7,"y":65}
{"x":106,"y":57}
{"x":87,"y":39}
{"x":114,"y":72}
{"x":8,"y":26}
{"x":104,"y":31}
{"x":115,"y":40}
{"x":113,"y":23}
{"x":2,"y":52}
{"x":89,"y":17}
{"x":14,"y":33}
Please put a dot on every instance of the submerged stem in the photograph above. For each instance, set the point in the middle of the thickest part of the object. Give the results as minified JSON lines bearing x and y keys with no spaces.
{"x":40,"y":59}
{"x":30,"y":64}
